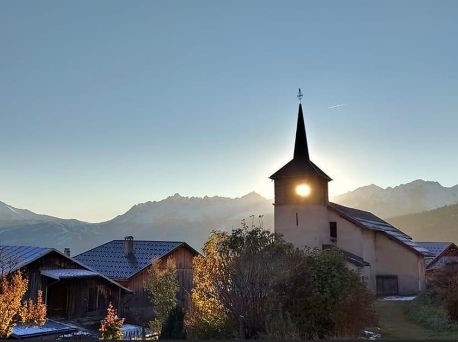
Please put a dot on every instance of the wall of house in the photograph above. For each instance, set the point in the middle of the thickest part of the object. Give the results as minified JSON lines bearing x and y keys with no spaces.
{"x":358,"y":241}
{"x":69,"y":298}
{"x":138,"y":307}
{"x":393,"y":258}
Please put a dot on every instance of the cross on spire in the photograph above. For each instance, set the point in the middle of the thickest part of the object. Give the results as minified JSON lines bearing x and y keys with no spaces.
{"x":300,"y":95}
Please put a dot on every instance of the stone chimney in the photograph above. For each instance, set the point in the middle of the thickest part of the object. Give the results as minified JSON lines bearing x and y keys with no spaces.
{"x":128,"y":245}
{"x":67,"y":251}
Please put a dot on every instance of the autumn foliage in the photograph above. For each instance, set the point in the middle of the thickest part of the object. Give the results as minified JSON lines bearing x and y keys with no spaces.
{"x":162,"y":287}
{"x":12,"y":289}
{"x":111,"y":325}
{"x":252,"y":284}
{"x":33,"y":313}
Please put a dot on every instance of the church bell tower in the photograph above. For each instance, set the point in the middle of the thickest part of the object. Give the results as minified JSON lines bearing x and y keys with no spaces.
{"x":301,"y":196}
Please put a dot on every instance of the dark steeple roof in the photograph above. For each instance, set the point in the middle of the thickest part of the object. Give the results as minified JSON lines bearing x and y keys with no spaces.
{"x":301,"y":150}
{"x":300,"y":165}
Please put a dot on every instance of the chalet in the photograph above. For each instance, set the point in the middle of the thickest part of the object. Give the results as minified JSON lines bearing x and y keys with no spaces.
{"x":71,"y":290}
{"x":443,"y":254}
{"x":387,"y":259}
{"x":127,"y":262}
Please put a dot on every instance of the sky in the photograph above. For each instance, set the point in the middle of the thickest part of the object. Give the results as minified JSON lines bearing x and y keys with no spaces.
{"x":106,"y":104}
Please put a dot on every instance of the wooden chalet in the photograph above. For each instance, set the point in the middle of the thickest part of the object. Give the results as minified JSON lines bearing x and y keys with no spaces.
{"x":127,"y":262}
{"x":71,"y":290}
{"x":443,"y":254}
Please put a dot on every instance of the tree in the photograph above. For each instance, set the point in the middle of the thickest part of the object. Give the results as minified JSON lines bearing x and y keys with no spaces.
{"x":12,"y":288}
{"x":325,"y":299}
{"x":234,"y":281}
{"x":162,"y":287}
{"x":251,"y":283}
{"x":111,"y":325}
{"x":208,"y":318}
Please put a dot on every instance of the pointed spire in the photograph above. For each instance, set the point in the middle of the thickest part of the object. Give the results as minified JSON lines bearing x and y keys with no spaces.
{"x":301,"y":150}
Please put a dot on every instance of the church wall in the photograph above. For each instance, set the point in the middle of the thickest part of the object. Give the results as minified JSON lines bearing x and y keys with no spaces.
{"x":358,"y":241}
{"x":395,"y":259}
{"x":311,"y":228}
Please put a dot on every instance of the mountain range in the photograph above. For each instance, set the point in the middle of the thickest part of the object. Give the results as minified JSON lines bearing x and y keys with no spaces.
{"x":413,"y":197}
{"x":191,"y":219}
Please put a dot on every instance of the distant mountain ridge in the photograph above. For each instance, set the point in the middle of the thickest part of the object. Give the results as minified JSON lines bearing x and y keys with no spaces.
{"x":177,"y":218}
{"x":191,"y":219}
{"x":434,"y":225}
{"x":413,"y":197}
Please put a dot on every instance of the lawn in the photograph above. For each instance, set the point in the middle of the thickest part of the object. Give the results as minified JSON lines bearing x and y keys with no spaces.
{"x":395,"y":325}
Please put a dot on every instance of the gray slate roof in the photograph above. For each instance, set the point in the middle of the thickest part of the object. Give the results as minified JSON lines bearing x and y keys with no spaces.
{"x":109,"y":258}
{"x":15,"y":257}
{"x":349,"y":257}
{"x":368,"y":220}
{"x":436,"y":249}
{"x":66,"y":273}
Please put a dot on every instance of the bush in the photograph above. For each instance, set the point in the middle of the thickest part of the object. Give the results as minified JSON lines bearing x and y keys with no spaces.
{"x":252,"y":284}
{"x":111,"y":326}
{"x":33,"y":313}
{"x":428,"y":311}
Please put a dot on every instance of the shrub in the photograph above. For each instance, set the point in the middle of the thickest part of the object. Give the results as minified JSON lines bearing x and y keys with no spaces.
{"x":33,"y":313}
{"x":111,"y":326}
{"x":427,"y":310}
{"x":12,"y":289}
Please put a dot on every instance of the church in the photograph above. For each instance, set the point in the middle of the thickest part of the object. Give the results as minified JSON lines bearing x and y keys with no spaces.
{"x":387,"y":259}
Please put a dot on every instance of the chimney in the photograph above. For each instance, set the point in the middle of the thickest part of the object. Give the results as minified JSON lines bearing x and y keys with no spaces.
{"x":128,"y":245}
{"x":67,"y":251}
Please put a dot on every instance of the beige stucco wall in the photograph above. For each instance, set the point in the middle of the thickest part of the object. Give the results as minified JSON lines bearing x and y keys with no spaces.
{"x":361,"y":242}
{"x":313,"y":224}
{"x":386,"y":256}
{"x":392,"y":258}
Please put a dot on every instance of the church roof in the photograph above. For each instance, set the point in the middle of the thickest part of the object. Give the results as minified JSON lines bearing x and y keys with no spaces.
{"x":300,"y":165}
{"x":367,"y":220}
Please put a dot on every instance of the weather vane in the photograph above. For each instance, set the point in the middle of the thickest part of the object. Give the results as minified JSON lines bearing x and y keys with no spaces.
{"x":300,"y":95}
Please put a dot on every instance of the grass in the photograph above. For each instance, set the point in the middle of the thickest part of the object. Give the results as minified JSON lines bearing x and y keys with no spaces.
{"x":395,"y":324}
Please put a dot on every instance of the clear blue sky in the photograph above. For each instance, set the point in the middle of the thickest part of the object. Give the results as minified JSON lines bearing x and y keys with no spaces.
{"x":105,"y":104}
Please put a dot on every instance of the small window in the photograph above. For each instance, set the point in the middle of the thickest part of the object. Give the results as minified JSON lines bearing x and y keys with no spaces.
{"x":333,"y":231}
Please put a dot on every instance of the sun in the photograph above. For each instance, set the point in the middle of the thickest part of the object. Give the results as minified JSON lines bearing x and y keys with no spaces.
{"x":303,"y":190}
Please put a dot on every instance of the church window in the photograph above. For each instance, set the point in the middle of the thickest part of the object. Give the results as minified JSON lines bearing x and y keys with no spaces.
{"x":297,"y":219}
{"x":333,"y":231}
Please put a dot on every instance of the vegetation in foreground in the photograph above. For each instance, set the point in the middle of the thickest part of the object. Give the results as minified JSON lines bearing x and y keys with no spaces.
{"x":13,"y":286}
{"x":252,"y":284}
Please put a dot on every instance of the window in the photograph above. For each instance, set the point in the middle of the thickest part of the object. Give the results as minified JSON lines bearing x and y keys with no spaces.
{"x":333,"y":231}
{"x":297,"y":220}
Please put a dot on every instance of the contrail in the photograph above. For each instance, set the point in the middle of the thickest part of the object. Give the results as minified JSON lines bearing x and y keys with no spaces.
{"x":337,"y":106}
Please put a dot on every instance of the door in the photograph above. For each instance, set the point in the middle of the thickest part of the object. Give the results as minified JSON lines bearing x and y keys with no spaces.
{"x":387,"y":285}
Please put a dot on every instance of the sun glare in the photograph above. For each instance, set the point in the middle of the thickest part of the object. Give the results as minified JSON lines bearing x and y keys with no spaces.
{"x":303,"y":190}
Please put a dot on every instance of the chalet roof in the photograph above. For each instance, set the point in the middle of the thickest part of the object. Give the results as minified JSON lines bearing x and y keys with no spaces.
{"x":367,"y":220}
{"x":110,"y":259}
{"x":15,"y":257}
{"x":66,"y":273}
{"x":300,"y":165}
{"x":437,"y":249}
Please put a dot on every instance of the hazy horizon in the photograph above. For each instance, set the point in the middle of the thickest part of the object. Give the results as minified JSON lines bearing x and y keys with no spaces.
{"x":111,"y":103}
{"x":200,"y":197}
